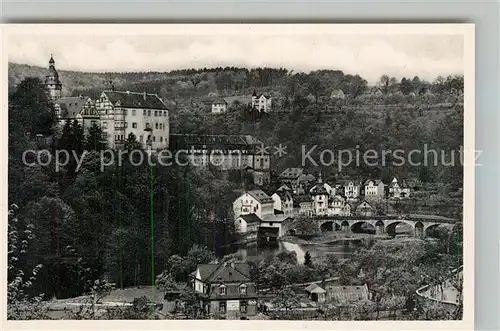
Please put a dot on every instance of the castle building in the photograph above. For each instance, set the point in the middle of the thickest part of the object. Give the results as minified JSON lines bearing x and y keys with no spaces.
{"x":142,"y":114}
{"x":52,"y":82}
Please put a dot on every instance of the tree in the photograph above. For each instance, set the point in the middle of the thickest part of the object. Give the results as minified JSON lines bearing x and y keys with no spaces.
{"x":305,"y":226}
{"x":307,"y":259}
{"x":30,"y":110}
{"x":131,"y":143}
{"x":94,"y":140}
{"x":286,"y":299}
{"x":406,"y":86}
{"x":22,"y":303}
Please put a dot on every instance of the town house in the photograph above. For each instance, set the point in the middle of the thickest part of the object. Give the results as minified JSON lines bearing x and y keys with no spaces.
{"x":254,"y":202}
{"x":374,"y":188}
{"x":261,"y":102}
{"x":226,"y":288}
{"x":352,"y":189}
{"x":283,"y":202}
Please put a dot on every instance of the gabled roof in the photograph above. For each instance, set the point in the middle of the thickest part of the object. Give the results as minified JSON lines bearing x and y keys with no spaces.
{"x":314,"y":288}
{"x":298,"y":199}
{"x":251,"y":218}
{"x":291,"y":173}
{"x":261,"y":196}
{"x":365,"y":203}
{"x":71,"y":106}
{"x":237,"y":272}
{"x":284,"y":195}
{"x":129,"y":99}
{"x":284,"y":187}
{"x":218,"y":101}
{"x":375,"y":182}
{"x":209,"y":142}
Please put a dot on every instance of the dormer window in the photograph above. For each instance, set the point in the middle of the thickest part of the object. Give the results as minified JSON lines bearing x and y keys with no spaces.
{"x":222,"y":290}
{"x":243,"y":289}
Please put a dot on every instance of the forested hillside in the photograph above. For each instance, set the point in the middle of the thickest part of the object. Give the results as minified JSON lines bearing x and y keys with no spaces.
{"x":125,"y":221}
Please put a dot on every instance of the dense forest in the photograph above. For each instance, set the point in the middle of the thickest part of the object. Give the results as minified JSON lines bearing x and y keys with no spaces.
{"x":126,"y":221}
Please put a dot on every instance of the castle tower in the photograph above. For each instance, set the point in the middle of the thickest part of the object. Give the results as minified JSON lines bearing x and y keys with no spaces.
{"x":52,"y":82}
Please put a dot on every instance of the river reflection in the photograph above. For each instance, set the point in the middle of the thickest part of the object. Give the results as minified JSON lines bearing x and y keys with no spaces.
{"x":252,"y":251}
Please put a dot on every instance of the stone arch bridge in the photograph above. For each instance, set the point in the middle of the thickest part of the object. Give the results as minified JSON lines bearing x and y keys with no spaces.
{"x":383,"y":224}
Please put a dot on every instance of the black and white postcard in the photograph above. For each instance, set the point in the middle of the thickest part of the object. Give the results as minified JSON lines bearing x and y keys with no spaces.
{"x":238,"y":176}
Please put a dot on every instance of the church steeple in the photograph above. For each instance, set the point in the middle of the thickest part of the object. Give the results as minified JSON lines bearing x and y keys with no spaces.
{"x":52,"y":82}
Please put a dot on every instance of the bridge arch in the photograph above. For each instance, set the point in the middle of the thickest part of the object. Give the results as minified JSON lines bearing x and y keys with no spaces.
{"x":390,"y":228}
{"x":344,"y":226}
{"x":363,"y":227}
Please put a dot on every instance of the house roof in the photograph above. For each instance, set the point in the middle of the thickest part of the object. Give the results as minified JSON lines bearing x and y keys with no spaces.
{"x":71,"y":106}
{"x":234,"y":272}
{"x":218,"y":101}
{"x":298,"y":199}
{"x":314,"y":288}
{"x":283,"y":187}
{"x":261,"y":196}
{"x":251,"y":218}
{"x":129,"y":99}
{"x":347,"y":293}
{"x":375,"y":182}
{"x":284,"y":195}
{"x":291,"y":173}
{"x":319,"y":189}
{"x":364,"y":202}
{"x":208,"y":142}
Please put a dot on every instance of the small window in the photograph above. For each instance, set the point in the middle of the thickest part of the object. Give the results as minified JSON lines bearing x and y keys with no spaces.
{"x":222,"y":307}
{"x":161,"y":139}
{"x":134,"y":125}
{"x":243,"y":306}
{"x":164,"y":113}
{"x":222,"y":290}
{"x":243,"y":289}
{"x":144,"y":112}
{"x":156,"y":126}
{"x":141,"y":137}
{"x":133,"y":112}
{"x":154,"y":138}
{"x":126,"y":125}
{"x":149,"y":112}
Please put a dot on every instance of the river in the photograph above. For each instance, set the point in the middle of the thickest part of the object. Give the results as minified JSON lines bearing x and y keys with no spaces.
{"x":252,"y":252}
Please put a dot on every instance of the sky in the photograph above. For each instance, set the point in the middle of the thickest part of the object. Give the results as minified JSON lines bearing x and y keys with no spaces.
{"x":370,"y":56}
